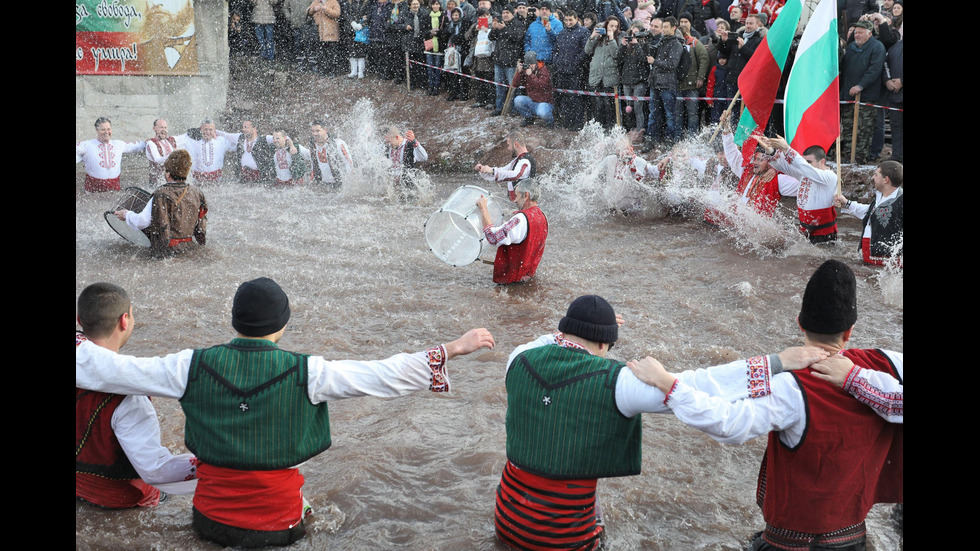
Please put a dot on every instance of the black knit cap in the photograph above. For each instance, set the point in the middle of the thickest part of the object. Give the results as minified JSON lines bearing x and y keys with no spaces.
{"x":591,"y":318}
{"x":261,"y":308}
{"x":830,"y":300}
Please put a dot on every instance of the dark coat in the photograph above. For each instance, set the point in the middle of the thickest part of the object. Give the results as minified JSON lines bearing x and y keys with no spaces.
{"x":738,"y":57}
{"x":510,"y":43}
{"x":663,"y":75}
{"x":569,"y":54}
{"x":863,"y":67}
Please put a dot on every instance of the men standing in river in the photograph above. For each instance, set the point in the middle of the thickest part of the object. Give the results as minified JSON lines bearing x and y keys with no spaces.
{"x":520,"y":240}
{"x":249,"y":491}
{"x":573,"y":417}
{"x":158,"y":148}
{"x":118,"y":454}
{"x":522,"y":165}
{"x":103,"y":157}
{"x":829,"y":458}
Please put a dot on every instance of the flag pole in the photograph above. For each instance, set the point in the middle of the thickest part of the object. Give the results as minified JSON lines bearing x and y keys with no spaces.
{"x":728,"y":113}
{"x":838,"y":165}
{"x":854,"y":127}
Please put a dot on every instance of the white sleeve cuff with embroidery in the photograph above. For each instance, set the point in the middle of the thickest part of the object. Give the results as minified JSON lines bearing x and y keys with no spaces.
{"x":436,"y":356}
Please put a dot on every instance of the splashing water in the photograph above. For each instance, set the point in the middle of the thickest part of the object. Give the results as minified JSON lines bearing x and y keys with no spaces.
{"x":372,"y":175}
{"x":890,"y":278}
{"x":696,"y":179}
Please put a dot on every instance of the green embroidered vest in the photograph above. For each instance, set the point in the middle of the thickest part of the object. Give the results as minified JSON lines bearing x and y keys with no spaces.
{"x":247,"y":407}
{"x":562,"y":420}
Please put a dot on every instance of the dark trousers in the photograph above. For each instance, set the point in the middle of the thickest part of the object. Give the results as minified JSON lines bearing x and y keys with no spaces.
{"x":232,"y":536}
{"x":569,"y":108}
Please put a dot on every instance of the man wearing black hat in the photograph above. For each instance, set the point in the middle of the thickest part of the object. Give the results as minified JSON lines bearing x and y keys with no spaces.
{"x":254,"y":411}
{"x":573,"y":417}
{"x":829,"y":457}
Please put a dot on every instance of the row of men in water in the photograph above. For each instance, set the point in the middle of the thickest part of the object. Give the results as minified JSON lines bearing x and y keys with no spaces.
{"x":835,"y":423}
{"x":767,"y":169}
{"x":270,"y":158}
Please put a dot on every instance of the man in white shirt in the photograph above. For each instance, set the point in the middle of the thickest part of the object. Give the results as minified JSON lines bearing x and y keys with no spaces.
{"x":250,"y":492}
{"x":329,"y":157}
{"x":118,"y":454}
{"x":884,"y":219}
{"x":207,"y":152}
{"x":103,"y":157}
{"x":158,"y":148}
{"x":829,"y":456}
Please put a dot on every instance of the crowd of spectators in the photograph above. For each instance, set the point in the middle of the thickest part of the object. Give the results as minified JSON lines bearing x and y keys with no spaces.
{"x":676,"y":61}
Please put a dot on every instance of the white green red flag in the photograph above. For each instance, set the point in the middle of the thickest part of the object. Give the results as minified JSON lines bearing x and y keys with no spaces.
{"x":759,"y":80}
{"x":813,"y":90}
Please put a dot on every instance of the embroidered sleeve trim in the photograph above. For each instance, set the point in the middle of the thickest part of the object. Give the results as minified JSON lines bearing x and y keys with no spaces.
{"x":670,"y":392}
{"x":494,"y":237}
{"x":757,"y":374}
{"x":848,"y":385}
{"x":890,"y":404}
{"x":790,"y":155}
{"x":436,"y":357}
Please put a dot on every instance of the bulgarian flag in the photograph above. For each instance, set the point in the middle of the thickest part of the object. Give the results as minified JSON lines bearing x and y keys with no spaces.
{"x":813,"y":91}
{"x":759,"y":80}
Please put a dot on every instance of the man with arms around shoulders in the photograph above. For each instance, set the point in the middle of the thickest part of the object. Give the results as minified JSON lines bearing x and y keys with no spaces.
{"x":829,"y":457}
{"x":158,"y":148}
{"x":118,"y":454}
{"x":249,"y":492}
{"x":573,"y":417}
{"x":103,"y":157}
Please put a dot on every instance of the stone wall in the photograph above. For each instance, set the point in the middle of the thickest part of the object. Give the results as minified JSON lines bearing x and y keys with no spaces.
{"x":133,"y":102}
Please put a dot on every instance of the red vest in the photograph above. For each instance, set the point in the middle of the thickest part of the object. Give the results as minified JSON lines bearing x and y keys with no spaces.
{"x":156,"y":170}
{"x":848,"y":460}
{"x":103,"y":474}
{"x":159,"y":143}
{"x":764,"y":196}
{"x":519,"y":262}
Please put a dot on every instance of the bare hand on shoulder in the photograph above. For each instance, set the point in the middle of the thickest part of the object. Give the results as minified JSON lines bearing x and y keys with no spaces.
{"x":652,"y":372}
{"x":798,"y":357}
{"x":833,"y":369}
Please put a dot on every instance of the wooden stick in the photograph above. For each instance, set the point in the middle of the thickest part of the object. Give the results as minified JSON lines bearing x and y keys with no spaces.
{"x":728,"y":113}
{"x":408,"y":74}
{"x":838,"y":165}
{"x":854,"y":128}
{"x":619,"y":116}
{"x":510,"y":97}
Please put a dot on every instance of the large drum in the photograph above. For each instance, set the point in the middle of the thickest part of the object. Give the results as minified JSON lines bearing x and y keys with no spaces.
{"x":454,"y":232}
{"x":135,"y":200}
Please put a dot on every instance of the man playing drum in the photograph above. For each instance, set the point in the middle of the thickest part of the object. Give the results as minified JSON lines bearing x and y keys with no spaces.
{"x":520,"y":240}
{"x":177,"y":212}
